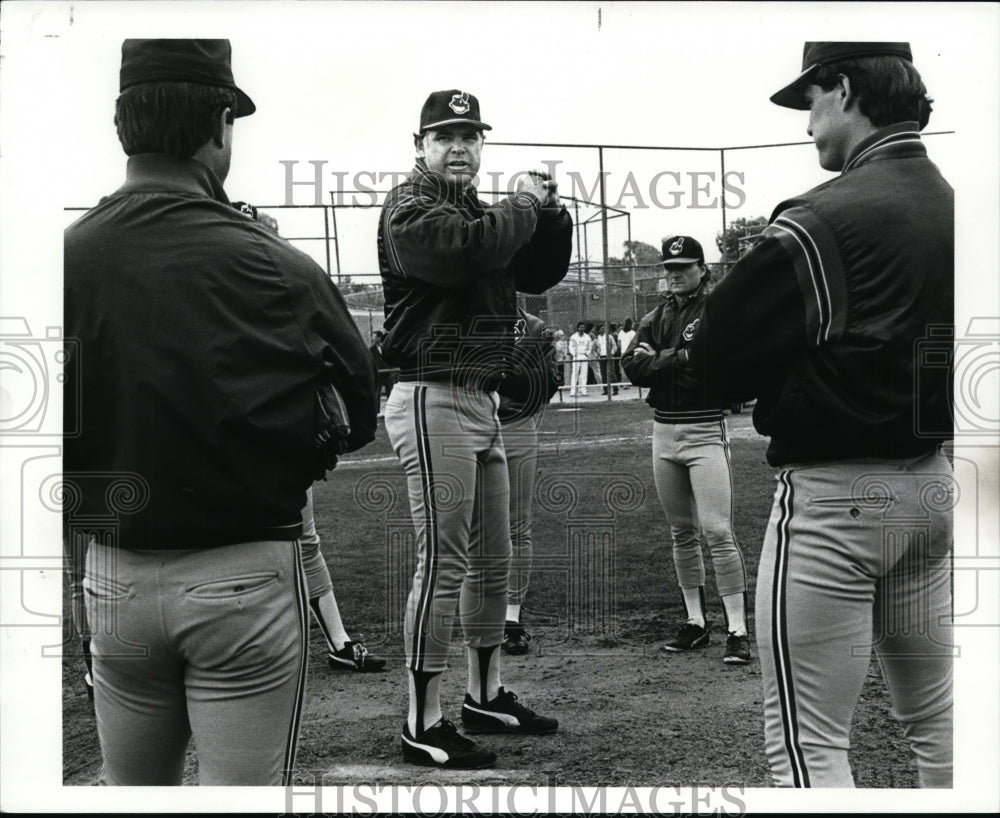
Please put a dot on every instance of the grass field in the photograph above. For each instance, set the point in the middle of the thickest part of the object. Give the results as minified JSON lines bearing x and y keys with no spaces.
{"x":362,"y":508}
{"x":603,"y":598}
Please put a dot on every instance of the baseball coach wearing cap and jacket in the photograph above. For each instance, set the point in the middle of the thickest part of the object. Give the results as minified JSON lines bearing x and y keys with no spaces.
{"x":691,"y":467}
{"x":840,"y":323}
{"x":451,"y":268}
{"x":219,"y":374}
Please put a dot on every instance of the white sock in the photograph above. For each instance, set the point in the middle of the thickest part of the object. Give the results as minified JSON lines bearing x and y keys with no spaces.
{"x":328,"y":615}
{"x":513,"y":613}
{"x":736,"y":613}
{"x":692,"y":601}
{"x":483,"y":690}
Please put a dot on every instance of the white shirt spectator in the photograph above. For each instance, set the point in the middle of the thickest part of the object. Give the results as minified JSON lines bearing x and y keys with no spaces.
{"x":580,"y":345}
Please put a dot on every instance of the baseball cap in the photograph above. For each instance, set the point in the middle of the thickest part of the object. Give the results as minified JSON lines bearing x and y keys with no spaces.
{"x":204,"y":62}
{"x":451,"y":108}
{"x":815,"y":54}
{"x":682,"y":250}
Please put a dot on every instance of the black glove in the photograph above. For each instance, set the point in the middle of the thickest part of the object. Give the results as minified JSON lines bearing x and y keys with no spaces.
{"x":333,"y":427}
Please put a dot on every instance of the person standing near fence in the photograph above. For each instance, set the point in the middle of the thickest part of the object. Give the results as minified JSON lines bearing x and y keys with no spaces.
{"x":563,"y":356}
{"x":840,"y":321}
{"x":580,"y":345}
{"x":625,"y":336}
{"x":691,"y":466}
{"x":534,"y":378}
{"x":607,"y":349}
{"x":386,"y":374}
{"x":451,"y":268}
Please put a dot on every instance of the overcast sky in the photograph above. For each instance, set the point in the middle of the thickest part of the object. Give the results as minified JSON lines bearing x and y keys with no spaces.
{"x":342,"y":83}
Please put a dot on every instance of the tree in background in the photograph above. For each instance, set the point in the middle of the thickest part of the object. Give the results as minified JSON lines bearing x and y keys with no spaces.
{"x":729,"y":241}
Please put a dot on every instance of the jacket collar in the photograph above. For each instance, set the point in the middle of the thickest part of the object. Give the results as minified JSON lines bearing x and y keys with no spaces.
{"x":892,"y":142}
{"x":684,"y":300}
{"x":162,"y":173}
{"x":425,"y":179}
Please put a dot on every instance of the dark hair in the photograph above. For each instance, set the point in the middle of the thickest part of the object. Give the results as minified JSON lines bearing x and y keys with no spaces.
{"x":175,"y":118}
{"x":627,"y":326}
{"x":889,"y":88}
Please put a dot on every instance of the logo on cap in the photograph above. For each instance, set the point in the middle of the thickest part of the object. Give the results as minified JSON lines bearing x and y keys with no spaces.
{"x":677,"y":247}
{"x":460,"y":103}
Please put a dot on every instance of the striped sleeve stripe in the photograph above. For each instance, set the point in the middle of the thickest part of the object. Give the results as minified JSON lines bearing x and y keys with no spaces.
{"x":784,"y":675}
{"x":891,"y":139}
{"x":816,"y":259}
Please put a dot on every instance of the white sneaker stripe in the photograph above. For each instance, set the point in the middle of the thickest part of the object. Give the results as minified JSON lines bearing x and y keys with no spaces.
{"x":436,"y":753}
{"x":506,"y":718}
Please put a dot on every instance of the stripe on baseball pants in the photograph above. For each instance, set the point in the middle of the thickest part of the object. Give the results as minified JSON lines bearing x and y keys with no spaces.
{"x":779,"y":636}
{"x":302,"y":606}
{"x":420,"y":625}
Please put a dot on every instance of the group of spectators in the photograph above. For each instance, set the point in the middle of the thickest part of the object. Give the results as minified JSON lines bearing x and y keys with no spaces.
{"x":595,"y":350}
{"x":592,"y":355}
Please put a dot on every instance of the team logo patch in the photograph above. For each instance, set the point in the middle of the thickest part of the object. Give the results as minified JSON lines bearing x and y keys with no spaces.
{"x":520,"y":328}
{"x":460,"y":103}
{"x":677,"y":247}
{"x":691,"y":329}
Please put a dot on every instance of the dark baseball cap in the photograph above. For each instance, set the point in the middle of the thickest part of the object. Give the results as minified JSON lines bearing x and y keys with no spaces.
{"x":204,"y":62}
{"x":816,"y":54}
{"x":451,"y":108}
{"x":682,"y":250}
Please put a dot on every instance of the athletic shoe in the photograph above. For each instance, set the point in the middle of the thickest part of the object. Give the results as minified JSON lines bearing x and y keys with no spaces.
{"x":443,"y":746}
{"x":355,"y":656}
{"x":737,"y":650}
{"x":690,"y":637}
{"x":515,"y":638}
{"x":504,"y":715}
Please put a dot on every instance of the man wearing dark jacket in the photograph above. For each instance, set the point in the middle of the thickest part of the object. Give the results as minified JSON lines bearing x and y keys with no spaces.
{"x":451,"y":268}
{"x":219,"y":375}
{"x":534,"y":378}
{"x":691,"y":468}
{"x":840,"y":323}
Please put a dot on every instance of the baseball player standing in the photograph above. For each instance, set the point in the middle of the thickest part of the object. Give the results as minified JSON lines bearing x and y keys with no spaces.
{"x":214,"y":360}
{"x":450,"y":270}
{"x":827,"y":322}
{"x":534,"y":377}
{"x":691,"y":467}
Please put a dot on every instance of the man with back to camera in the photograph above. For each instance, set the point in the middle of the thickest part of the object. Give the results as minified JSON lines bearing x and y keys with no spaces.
{"x":220,"y":372}
{"x":450,"y":270}
{"x":840,"y":322}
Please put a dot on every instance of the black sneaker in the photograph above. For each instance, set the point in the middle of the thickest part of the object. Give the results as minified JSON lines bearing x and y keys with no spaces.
{"x":737,"y":650}
{"x":504,"y":715}
{"x":690,"y":637}
{"x":355,"y":656}
{"x":515,"y":639}
{"x":443,"y":746}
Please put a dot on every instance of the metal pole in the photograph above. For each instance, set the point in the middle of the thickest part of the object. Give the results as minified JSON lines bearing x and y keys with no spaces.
{"x":604,"y":262}
{"x":336,"y":240}
{"x":722,"y":156}
{"x":326,"y":232}
{"x":631,"y":269}
{"x":579,"y":260}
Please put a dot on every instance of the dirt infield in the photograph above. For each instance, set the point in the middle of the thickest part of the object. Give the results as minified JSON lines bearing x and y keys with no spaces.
{"x":629,"y":714}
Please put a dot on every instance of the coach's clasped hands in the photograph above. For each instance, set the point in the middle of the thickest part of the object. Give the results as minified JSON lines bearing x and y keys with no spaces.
{"x":540,"y":185}
{"x":643,"y":349}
